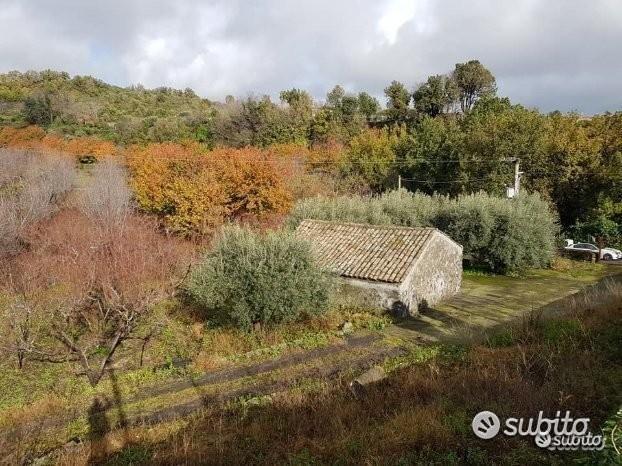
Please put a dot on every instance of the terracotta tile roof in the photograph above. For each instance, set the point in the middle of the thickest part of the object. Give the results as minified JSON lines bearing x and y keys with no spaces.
{"x":369,"y":252}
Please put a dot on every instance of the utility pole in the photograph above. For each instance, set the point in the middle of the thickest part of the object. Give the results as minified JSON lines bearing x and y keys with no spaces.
{"x":399,"y":181}
{"x":517,"y":175}
{"x":514,"y":191}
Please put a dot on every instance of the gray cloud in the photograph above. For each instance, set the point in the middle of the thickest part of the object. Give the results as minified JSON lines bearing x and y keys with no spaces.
{"x":554,"y":54}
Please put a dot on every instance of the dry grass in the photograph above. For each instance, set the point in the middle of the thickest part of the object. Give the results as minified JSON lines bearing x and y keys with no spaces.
{"x":221,"y":346}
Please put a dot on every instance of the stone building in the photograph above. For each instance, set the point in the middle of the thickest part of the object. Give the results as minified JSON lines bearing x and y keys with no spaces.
{"x":396,"y":268}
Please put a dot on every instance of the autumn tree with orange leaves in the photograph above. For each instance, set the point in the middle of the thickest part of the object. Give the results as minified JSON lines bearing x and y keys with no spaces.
{"x":196,"y":190}
{"x":35,"y":138}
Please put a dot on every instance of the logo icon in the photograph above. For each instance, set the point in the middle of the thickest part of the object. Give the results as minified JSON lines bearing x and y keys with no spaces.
{"x":543,"y":440}
{"x":486,"y":425}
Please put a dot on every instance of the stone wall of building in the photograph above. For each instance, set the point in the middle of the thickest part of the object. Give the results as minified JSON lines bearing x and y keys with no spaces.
{"x":437,"y":274}
{"x":367,"y":294}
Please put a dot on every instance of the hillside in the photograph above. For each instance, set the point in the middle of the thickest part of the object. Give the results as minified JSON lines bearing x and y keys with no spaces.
{"x":86,"y":106}
{"x":157,"y":305}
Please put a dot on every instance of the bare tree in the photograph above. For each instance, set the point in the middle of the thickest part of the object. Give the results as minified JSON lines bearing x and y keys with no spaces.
{"x":13,"y":165}
{"x":31,"y":185}
{"x":25,"y":319}
{"x":113,"y":266}
{"x":89,"y":328}
{"x":18,"y":334}
{"x":110,"y":317}
{"x":107,"y":199}
{"x":111,"y":278}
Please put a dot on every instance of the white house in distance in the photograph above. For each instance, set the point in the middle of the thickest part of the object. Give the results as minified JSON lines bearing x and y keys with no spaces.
{"x":392,"y":267}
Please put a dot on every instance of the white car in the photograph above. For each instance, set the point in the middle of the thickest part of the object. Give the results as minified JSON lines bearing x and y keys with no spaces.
{"x":606,"y":254}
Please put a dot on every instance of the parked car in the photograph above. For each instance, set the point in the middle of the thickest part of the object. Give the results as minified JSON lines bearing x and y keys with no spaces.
{"x":606,"y":254}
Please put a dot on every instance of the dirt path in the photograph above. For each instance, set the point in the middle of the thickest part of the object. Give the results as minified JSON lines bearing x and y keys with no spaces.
{"x":180,"y":398}
{"x":330,"y":372}
{"x":227,"y":375}
{"x":355,"y":355}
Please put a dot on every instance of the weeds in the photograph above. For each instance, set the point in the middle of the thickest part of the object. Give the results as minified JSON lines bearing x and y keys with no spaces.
{"x":421,"y":354}
{"x":421,"y":414}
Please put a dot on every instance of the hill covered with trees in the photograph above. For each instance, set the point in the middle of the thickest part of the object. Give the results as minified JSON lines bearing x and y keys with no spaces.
{"x":450,"y":134}
{"x":86,"y":106}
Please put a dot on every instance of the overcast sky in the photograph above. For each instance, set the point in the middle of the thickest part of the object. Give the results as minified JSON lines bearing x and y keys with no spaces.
{"x":551,"y":54}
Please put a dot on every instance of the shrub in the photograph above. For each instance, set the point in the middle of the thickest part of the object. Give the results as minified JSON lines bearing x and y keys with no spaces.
{"x":507,"y":235}
{"x":411,"y":209}
{"x":38,"y":110}
{"x":523,"y":235}
{"x":13,"y":165}
{"x":35,"y":138}
{"x":85,"y":146}
{"x":20,"y":137}
{"x":196,"y":191}
{"x":72,"y":249}
{"x":250,"y":278}
{"x":84,"y":289}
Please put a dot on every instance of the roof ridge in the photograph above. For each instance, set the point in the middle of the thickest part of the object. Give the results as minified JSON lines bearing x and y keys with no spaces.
{"x":386,"y":226}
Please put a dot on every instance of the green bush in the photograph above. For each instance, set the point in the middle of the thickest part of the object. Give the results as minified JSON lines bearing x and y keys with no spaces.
{"x":356,"y":209}
{"x":506,"y":235}
{"x":251,"y":278}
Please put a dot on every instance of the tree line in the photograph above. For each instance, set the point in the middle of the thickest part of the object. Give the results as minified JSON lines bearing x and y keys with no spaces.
{"x":451,"y":134}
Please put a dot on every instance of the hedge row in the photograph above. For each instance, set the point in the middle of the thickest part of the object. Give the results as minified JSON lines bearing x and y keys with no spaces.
{"x":507,"y":235}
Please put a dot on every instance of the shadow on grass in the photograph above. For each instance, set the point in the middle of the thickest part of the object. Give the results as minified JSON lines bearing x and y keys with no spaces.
{"x":99,"y":424}
{"x":99,"y":427}
{"x":431,"y":323}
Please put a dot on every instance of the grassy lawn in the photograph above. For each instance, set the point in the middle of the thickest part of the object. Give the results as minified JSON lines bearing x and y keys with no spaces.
{"x":487,"y":301}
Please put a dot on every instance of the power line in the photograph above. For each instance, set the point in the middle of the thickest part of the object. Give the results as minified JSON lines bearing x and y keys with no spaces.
{"x":399,"y":163}
{"x":361,"y":162}
{"x":447,"y":182}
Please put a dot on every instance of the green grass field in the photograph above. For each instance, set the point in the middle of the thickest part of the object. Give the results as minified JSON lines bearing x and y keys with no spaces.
{"x":55,"y":403}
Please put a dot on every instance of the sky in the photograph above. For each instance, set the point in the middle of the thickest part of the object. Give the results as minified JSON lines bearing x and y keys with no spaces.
{"x":551,"y":54}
